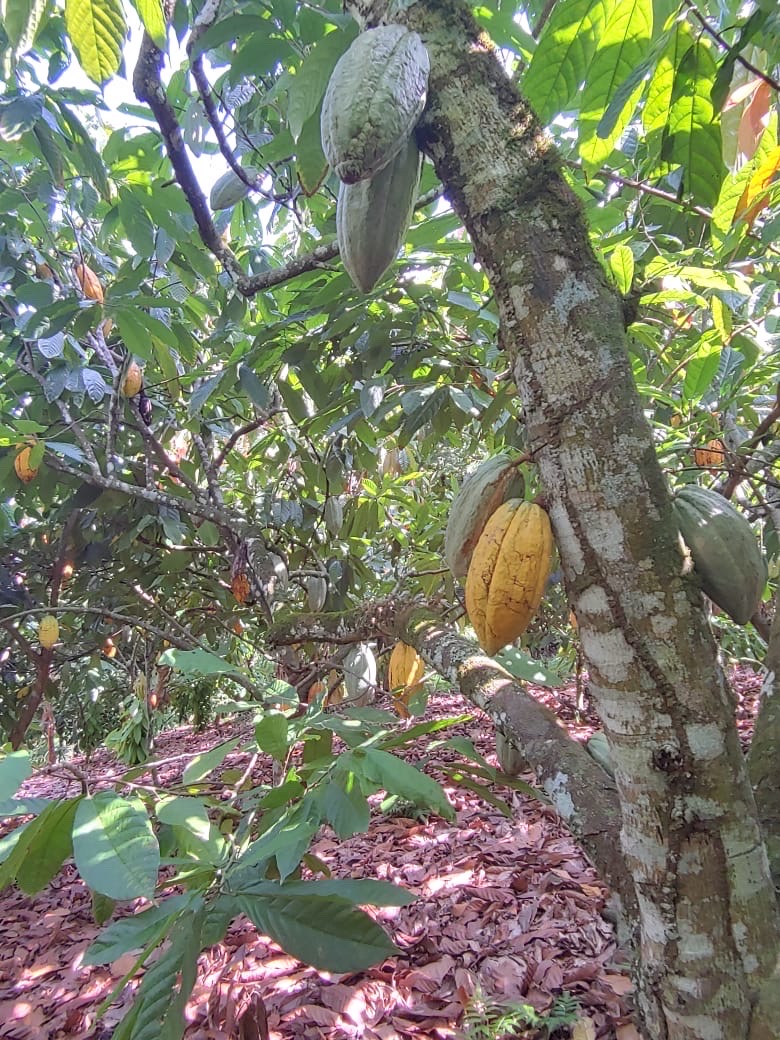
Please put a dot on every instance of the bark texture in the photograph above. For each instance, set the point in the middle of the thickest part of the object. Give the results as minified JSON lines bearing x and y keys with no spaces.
{"x":763,"y":758}
{"x":690,"y":835}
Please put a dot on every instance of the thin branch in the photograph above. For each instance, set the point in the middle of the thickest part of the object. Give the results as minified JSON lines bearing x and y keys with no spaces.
{"x":158,"y":498}
{"x":711,"y":31}
{"x":149,"y":89}
{"x":645,"y":189}
{"x":250,"y":285}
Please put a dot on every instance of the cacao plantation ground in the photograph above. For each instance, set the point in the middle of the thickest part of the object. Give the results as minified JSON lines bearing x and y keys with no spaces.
{"x":507,"y":912}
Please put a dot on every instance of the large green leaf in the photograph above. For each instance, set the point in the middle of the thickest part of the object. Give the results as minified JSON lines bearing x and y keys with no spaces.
{"x":114,"y":846}
{"x":621,"y":49}
{"x":97,"y":30}
{"x":153,"y":18}
{"x":326,"y":932}
{"x":50,"y":846}
{"x":306,"y":88}
{"x":15,"y":767}
{"x":561,"y":61}
{"x":21,"y":19}
{"x":401,"y":778}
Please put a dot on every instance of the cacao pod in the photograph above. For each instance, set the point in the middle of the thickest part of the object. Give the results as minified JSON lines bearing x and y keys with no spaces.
{"x":372,"y":217}
{"x":333,"y":515}
{"x":360,"y":674}
{"x":712,"y":454}
{"x":133,"y":380}
{"x":316,"y":690}
{"x":508,"y":572}
{"x":405,"y":670}
{"x":48,"y":631}
{"x":316,"y":592}
{"x":230,"y":189}
{"x":389,"y":462}
{"x":24,"y":471}
{"x":509,"y":758}
{"x":373,"y":100}
{"x":89,"y":282}
{"x":494,"y":481}
{"x":724,"y":550}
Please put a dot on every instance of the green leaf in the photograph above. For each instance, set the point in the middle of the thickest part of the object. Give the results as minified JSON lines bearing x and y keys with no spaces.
{"x":97,"y":30}
{"x":357,"y":891}
{"x":293,"y":831}
{"x":271,"y":734}
{"x":326,"y":932}
{"x":256,"y":391}
{"x":401,"y":778}
{"x":203,"y":764}
{"x":311,"y":164}
{"x":691,"y":138}
{"x":15,"y":767}
{"x":136,"y":932}
{"x":560,"y":62}
{"x":621,"y":48}
{"x":621,"y":264}
{"x":153,"y":18}
{"x":114,"y":846}
{"x":307,"y":87}
{"x":21,"y":19}
{"x":345,"y":806}
{"x":157,"y":1011}
{"x":699,"y":373}
{"x":50,"y":846}
{"x":196,"y":662}
{"x":189,"y":813}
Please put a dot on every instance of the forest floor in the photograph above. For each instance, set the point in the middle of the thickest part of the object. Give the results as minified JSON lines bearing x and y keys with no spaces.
{"x":508,"y":912}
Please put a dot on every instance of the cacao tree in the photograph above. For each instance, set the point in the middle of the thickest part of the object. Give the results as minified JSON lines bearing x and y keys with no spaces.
{"x":217,"y":449}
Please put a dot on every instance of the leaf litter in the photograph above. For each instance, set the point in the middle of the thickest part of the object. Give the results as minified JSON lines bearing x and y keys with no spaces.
{"x":508,"y":912}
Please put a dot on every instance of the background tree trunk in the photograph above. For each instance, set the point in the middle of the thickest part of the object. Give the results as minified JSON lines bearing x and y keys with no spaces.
{"x":690,"y":834}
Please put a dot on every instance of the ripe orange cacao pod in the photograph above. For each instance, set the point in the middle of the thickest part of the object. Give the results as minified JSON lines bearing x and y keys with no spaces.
{"x":90,"y":283}
{"x":712,"y":454}
{"x":24,"y":471}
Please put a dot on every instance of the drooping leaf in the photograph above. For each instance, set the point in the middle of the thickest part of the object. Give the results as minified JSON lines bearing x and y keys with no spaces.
{"x":114,"y":846}
{"x":97,"y":30}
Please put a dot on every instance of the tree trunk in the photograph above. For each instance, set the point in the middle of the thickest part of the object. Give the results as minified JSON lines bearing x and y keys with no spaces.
{"x":690,"y":834}
{"x":762,"y":760}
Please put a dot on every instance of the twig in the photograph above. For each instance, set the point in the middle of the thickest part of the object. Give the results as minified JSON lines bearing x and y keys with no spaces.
{"x":773,"y":83}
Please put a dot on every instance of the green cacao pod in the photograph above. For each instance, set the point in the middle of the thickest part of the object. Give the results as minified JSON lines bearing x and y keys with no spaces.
{"x":333,"y":514}
{"x":372,"y":103}
{"x":360,"y":674}
{"x":372,"y":217}
{"x":490,"y":485}
{"x":230,"y":189}
{"x":316,"y":592}
{"x":724,"y":550}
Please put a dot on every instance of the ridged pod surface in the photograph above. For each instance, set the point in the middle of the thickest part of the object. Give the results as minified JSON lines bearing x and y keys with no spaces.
{"x":360,"y":674}
{"x":724,"y":550}
{"x":230,"y":189}
{"x":89,"y":282}
{"x":508,"y":572}
{"x":133,"y":380}
{"x":372,"y":103}
{"x":24,"y":471}
{"x":494,"y":481}
{"x":316,"y":592}
{"x":48,"y":631}
{"x":405,"y":670}
{"x":372,"y":217}
{"x":712,"y":454}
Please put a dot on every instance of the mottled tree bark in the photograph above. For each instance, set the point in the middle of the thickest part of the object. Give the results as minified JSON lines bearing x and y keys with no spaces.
{"x":690,"y":834}
{"x":763,"y":757}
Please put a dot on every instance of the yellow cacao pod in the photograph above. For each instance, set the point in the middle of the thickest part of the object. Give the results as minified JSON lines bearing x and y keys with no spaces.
{"x":405,"y":670}
{"x":508,"y":573}
{"x":89,"y":282}
{"x":24,"y":471}
{"x":494,"y":481}
{"x":48,"y":631}
{"x":133,"y":380}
